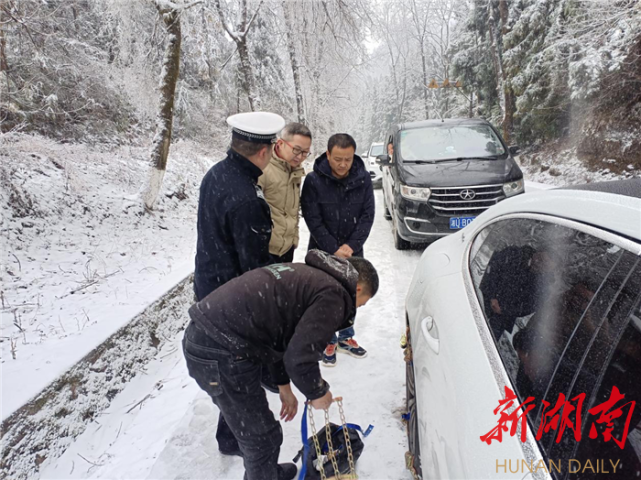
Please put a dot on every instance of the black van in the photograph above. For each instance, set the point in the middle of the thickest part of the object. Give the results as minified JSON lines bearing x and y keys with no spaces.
{"x":439,"y":175}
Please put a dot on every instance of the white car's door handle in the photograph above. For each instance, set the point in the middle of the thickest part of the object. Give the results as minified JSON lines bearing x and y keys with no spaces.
{"x":430,"y":332}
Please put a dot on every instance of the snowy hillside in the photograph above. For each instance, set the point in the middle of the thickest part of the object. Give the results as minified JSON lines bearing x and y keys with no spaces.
{"x":80,"y":258}
{"x":561,"y":166}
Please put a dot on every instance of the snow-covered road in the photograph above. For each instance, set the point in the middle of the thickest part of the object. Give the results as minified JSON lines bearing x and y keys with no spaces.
{"x":163,"y":427}
{"x":171,"y":434}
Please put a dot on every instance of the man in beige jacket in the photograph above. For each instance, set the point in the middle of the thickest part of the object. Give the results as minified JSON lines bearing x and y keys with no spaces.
{"x":280,"y":182}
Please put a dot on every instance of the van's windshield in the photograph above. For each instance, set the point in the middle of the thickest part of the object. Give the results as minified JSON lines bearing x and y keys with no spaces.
{"x":450,"y":142}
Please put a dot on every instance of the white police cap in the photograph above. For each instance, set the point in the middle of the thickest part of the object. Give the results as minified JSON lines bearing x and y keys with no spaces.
{"x":256,"y":127}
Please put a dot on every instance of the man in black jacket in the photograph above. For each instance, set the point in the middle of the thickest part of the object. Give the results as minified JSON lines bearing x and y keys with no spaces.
{"x":282,"y":316}
{"x":234,"y":222}
{"x":338,"y":206}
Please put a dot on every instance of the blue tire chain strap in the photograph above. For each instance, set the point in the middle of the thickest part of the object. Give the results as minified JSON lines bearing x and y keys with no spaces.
{"x":305,"y":439}
{"x":303,"y":430}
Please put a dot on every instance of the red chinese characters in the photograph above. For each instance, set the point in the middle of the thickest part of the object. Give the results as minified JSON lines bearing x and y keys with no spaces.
{"x":513,"y":417}
{"x":566,"y":414}
{"x":608,"y":417}
{"x":559,"y":417}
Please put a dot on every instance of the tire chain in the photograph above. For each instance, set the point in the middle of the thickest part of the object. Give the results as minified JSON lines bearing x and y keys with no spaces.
{"x":331,"y":454}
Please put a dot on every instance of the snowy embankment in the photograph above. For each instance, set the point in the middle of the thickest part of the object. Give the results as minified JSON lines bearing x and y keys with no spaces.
{"x":80,"y":260}
{"x":48,"y":424}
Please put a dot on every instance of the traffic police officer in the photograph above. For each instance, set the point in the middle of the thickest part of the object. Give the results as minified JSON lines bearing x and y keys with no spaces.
{"x":234,"y":222}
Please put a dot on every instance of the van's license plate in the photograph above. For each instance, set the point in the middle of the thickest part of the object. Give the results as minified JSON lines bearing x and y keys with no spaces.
{"x":460,"y":222}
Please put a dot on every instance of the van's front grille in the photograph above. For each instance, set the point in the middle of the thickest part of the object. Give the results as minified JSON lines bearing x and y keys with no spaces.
{"x":460,"y":201}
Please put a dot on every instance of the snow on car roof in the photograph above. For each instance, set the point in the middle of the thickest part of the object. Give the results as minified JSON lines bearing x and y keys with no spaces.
{"x":601,"y":206}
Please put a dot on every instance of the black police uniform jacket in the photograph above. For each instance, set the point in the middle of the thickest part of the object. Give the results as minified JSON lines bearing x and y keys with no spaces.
{"x":283,"y":315}
{"x":234,"y":224}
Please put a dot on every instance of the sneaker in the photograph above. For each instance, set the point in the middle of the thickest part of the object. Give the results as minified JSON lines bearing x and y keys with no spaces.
{"x":351,"y":347}
{"x":329,"y":356}
{"x":287,"y":471}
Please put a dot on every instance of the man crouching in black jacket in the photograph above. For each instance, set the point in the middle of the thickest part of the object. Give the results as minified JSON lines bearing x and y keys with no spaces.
{"x":282,"y":316}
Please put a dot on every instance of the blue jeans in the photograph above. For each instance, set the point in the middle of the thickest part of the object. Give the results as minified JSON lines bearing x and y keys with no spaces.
{"x":343,"y":335}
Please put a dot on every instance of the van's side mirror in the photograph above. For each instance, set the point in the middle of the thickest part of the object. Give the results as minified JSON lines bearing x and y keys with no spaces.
{"x":383,"y":160}
{"x":514,"y":149}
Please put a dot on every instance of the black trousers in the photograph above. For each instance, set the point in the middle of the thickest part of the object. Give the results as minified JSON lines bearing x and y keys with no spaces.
{"x":285,"y":258}
{"x":233,"y":384}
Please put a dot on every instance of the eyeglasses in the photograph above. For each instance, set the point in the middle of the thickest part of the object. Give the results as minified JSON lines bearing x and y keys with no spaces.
{"x":297,"y":151}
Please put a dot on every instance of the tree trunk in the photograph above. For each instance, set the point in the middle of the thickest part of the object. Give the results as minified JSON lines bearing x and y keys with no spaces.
{"x":420,"y":38}
{"x":291,"y":46}
{"x":425,"y":82}
{"x":208,"y":52}
{"x":319,"y":47}
{"x":508,"y":94}
{"x":3,"y":42}
{"x":508,"y":116}
{"x":247,"y":80}
{"x":164,"y":121}
{"x":401,"y":107}
{"x":496,"y":60}
{"x":394,"y":77}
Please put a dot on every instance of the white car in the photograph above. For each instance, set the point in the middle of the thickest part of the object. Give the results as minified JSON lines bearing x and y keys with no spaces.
{"x":374,"y":168}
{"x":540,"y":295}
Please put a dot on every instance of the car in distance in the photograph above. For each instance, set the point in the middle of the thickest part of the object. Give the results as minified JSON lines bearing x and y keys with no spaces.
{"x":371,"y":163}
{"x":438,"y":175}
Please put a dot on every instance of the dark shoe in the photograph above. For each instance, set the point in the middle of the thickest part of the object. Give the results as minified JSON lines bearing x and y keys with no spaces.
{"x":232,"y":452}
{"x":329,"y":356}
{"x":351,"y":347}
{"x":287,"y":471}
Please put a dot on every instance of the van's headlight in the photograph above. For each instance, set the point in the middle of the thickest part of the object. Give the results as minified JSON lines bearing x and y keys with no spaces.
{"x":513,"y":188}
{"x":415,"y":193}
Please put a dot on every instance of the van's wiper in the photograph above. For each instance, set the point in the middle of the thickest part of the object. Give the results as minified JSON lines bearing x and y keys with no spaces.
{"x":420,"y":162}
{"x":459,"y":159}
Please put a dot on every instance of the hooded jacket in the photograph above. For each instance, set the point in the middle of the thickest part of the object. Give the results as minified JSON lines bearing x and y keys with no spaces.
{"x":283,"y":315}
{"x":281,"y":186}
{"x":338,"y":211}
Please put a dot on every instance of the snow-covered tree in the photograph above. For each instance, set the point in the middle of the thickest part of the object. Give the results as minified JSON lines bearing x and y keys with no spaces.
{"x":239,"y":34}
{"x":170,"y":14}
{"x":537,"y":69}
